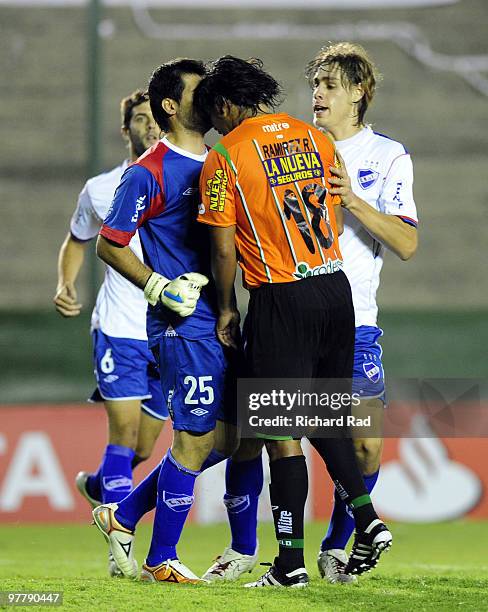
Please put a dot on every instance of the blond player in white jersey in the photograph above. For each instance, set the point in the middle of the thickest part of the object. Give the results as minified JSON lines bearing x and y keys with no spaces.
{"x":126,"y":372}
{"x":375,"y":185}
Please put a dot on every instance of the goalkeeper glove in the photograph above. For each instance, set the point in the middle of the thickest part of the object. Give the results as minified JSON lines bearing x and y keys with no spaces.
{"x":179,"y":295}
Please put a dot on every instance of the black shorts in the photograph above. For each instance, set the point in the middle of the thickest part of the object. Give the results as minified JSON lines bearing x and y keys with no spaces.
{"x":302,"y":329}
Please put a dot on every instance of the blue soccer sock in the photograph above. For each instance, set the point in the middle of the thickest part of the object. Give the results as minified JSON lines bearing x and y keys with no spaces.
{"x":140,"y":500}
{"x":94,"y":484}
{"x":143,"y":498}
{"x":116,"y":473}
{"x":342,"y":523}
{"x":175,"y":498}
{"x":244,"y":483}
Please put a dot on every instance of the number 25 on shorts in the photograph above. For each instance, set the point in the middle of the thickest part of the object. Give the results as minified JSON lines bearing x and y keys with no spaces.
{"x":198,"y":386}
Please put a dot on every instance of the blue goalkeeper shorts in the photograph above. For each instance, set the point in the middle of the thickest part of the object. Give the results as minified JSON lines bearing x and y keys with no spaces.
{"x":195,"y":382}
{"x":125,"y":369}
{"x":368,"y":375}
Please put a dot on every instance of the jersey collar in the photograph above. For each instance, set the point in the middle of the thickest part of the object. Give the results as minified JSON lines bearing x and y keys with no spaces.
{"x":170,"y":145}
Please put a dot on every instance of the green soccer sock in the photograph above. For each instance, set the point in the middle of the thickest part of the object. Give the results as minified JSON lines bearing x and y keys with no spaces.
{"x":363,"y":511}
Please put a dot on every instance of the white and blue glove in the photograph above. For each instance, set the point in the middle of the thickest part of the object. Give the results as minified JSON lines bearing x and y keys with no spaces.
{"x":179,"y":295}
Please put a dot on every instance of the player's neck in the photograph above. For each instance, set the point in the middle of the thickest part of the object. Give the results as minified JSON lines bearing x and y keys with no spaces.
{"x":188,"y":140}
{"x":344,"y":131}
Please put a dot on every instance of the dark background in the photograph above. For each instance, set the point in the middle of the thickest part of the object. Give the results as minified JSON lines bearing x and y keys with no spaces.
{"x":433,"y":309}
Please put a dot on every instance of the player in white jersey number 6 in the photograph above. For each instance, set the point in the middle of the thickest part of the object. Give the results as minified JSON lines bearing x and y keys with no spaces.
{"x":375,"y":185}
{"x":127,"y":377}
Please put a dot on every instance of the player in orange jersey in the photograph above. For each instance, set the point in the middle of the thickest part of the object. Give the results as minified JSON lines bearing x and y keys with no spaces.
{"x":264,"y":191}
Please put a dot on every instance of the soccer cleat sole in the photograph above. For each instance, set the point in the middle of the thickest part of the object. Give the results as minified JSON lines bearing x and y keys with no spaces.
{"x":113,"y":570}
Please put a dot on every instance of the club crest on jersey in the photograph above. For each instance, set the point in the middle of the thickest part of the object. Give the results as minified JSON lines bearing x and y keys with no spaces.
{"x":372,"y":371}
{"x":367,"y":177}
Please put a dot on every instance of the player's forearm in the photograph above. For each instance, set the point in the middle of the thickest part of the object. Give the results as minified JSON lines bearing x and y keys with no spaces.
{"x":224,"y":273}
{"x":70,"y":260}
{"x":123,"y":259}
{"x":339,"y":215}
{"x":224,"y":265}
{"x":391,"y":231}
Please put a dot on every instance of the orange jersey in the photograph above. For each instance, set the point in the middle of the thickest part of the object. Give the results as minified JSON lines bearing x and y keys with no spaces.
{"x":268,"y":177}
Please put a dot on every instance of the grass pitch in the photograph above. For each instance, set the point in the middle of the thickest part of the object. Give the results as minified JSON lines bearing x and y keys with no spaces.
{"x":438,"y":567}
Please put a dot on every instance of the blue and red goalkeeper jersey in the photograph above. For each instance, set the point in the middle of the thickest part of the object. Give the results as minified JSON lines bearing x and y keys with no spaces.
{"x":158,"y":195}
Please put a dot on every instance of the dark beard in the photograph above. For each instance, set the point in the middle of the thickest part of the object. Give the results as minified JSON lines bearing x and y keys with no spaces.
{"x":196,"y":122}
{"x":137,"y":145}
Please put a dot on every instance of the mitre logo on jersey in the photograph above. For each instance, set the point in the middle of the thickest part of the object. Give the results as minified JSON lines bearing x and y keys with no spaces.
{"x":367,"y":177}
{"x":275,"y":127}
{"x":295,"y":167}
{"x":178,"y":502}
{"x":372,"y":371}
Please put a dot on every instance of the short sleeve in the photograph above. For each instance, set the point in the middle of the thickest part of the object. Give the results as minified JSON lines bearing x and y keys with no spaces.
{"x":85,"y":223}
{"x":134,"y":198}
{"x":217,"y":190}
{"x":396,"y":196}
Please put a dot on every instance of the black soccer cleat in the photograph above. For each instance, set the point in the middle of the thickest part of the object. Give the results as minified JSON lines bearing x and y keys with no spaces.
{"x":296,"y":579}
{"x":367,"y":548}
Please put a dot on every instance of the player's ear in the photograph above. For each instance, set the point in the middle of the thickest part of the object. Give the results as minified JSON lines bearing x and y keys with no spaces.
{"x":357,"y":93}
{"x":225,"y":109}
{"x":169,"y":106}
